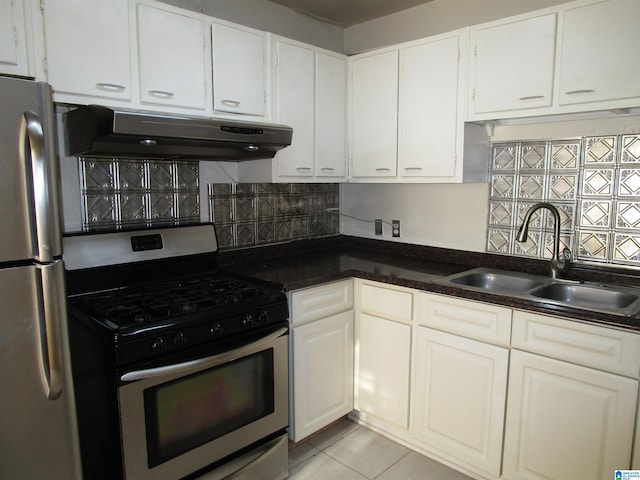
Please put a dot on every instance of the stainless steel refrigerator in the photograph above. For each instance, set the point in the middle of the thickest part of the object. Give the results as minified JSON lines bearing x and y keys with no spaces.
{"x":38,"y":433}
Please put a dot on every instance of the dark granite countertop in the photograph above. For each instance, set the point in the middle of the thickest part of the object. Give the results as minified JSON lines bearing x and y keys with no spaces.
{"x":308,"y":263}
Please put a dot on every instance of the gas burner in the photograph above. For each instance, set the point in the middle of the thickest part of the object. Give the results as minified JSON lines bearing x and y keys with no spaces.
{"x":147,"y":304}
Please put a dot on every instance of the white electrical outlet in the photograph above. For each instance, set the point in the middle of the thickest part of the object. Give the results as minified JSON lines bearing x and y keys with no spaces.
{"x":395,"y":228}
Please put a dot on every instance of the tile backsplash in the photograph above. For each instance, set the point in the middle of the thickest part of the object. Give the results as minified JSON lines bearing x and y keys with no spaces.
{"x":594,"y":182}
{"x":249,"y":214}
{"x":122,"y":193}
{"x":138,"y":193}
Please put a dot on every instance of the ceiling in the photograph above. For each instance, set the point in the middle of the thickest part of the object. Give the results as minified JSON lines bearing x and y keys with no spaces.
{"x":345,"y":13}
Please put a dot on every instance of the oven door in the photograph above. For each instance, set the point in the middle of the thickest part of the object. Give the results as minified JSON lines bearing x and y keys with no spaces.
{"x":178,"y":419}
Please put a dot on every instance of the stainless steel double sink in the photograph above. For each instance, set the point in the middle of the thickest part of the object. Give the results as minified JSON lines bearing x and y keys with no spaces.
{"x":581,"y":295}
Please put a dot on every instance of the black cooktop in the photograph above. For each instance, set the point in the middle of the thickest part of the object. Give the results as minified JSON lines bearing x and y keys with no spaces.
{"x":211,"y":294}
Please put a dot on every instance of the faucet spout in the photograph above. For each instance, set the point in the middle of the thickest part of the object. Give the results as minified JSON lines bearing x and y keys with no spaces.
{"x":558,"y":265}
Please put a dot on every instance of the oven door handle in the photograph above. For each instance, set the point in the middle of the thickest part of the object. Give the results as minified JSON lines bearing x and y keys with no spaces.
{"x":203,"y":362}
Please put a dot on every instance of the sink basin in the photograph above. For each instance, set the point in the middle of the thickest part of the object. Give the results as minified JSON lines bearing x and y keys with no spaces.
{"x":609,"y":299}
{"x":497,"y":281}
{"x":586,"y":296}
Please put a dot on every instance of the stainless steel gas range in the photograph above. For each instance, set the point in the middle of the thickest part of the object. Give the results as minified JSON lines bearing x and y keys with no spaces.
{"x":180,"y":369}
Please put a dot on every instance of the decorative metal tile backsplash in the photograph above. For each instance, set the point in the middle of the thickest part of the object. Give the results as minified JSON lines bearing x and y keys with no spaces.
{"x":248,"y":214}
{"x":594,"y":182}
{"x":137,"y":193}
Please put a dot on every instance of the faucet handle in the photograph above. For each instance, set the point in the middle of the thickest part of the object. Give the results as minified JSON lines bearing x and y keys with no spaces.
{"x":565,"y":260}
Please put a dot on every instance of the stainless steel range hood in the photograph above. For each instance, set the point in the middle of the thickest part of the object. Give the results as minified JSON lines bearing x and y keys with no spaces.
{"x":96,"y":130}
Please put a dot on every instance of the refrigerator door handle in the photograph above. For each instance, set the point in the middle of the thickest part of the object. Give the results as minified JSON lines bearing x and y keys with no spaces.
{"x":35,"y":150}
{"x":52,"y":340}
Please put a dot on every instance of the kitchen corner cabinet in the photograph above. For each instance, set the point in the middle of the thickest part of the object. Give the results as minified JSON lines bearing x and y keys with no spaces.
{"x":14,"y":34}
{"x":571,"y":404}
{"x":310,"y":95}
{"x":321,"y":360}
{"x":598,"y":53}
{"x":171,"y":57}
{"x":86,"y":48}
{"x":407,"y":111}
{"x":460,"y":380}
{"x":512,"y":67}
{"x":239,"y":58}
{"x":383,"y":356}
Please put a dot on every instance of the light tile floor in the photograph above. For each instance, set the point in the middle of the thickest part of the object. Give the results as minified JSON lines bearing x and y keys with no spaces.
{"x":348,"y":451}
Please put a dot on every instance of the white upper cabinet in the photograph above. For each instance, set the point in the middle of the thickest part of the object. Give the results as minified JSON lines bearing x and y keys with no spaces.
{"x":407,"y":114}
{"x":87,"y":49}
{"x":14,"y":58}
{"x":239,"y":57}
{"x":309,"y":94}
{"x":599,"y":59}
{"x":374,"y":114}
{"x":331,"y":116}
{"x":512,"y":65}
{"x":171,"y":57}
{"x":429,"y":111}
{"x":294,"y":105}
{"x":577,"y":57}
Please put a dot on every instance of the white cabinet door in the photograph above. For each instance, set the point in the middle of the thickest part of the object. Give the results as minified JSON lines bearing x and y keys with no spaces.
{"x":566,"y":421}
{"x":459,"y":398}
{"x":310,"y":95}
{"x":374,"y":114}
{"x":14,"y":59}
{"x":87,"y":48}
{"x":383,"y":369}
{"x":238,"y":70}
{"x":514,"y":65}
{"x":331,"y":116}
{"x":428,"y":111}
{"x":599,"y":58}
{"x":171,"y":57}
{"x":322,"y":373}
{"x":295,"y":106}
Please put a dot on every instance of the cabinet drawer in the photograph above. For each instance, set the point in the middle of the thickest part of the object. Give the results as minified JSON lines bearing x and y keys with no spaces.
{"x":470,"y":319}
{"x":387,"y":302}
{"x":320,"y":302}
{"x":599,"y":347}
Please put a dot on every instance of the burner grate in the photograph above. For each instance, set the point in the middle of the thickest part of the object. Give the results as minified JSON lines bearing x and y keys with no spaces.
{"x":171,"y":299}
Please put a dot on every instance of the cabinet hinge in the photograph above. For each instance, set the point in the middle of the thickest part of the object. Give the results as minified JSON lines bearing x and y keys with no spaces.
{"x":42,"y":6}
{"x":473,"y":94}
{"x":475,"y":51}
{"x":45,"y":66}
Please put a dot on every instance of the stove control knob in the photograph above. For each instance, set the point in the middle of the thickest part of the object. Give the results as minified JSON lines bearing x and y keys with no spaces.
{"x":216,"y":329}
{"x":247,"y":320}
{"x":178,"y":339}
{"x":263,"y":316}
{"x":157,"y":344}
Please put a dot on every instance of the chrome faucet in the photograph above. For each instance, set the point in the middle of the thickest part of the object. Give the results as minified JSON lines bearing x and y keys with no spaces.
{"x":558,"y":265}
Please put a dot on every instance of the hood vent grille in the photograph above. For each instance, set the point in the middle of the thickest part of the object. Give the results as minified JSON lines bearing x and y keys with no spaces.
{"x":95,"y":130}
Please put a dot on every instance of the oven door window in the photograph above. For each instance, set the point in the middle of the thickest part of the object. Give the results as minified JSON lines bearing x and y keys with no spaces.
{"x":185,"y":413}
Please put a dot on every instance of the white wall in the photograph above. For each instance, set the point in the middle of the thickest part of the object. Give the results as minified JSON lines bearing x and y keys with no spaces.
{"x":438,"y":16}
{"x":450,"y":216}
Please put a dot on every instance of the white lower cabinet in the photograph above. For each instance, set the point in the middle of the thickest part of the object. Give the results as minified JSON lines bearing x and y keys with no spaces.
{"x":459,"y":384}
{"x":321,"y":357}
{"x":384,"y":369}
{"x":565,"y":420}
{"x":494,"y":392}
{"x":459,"y":394}
{"x":383,"y":353}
